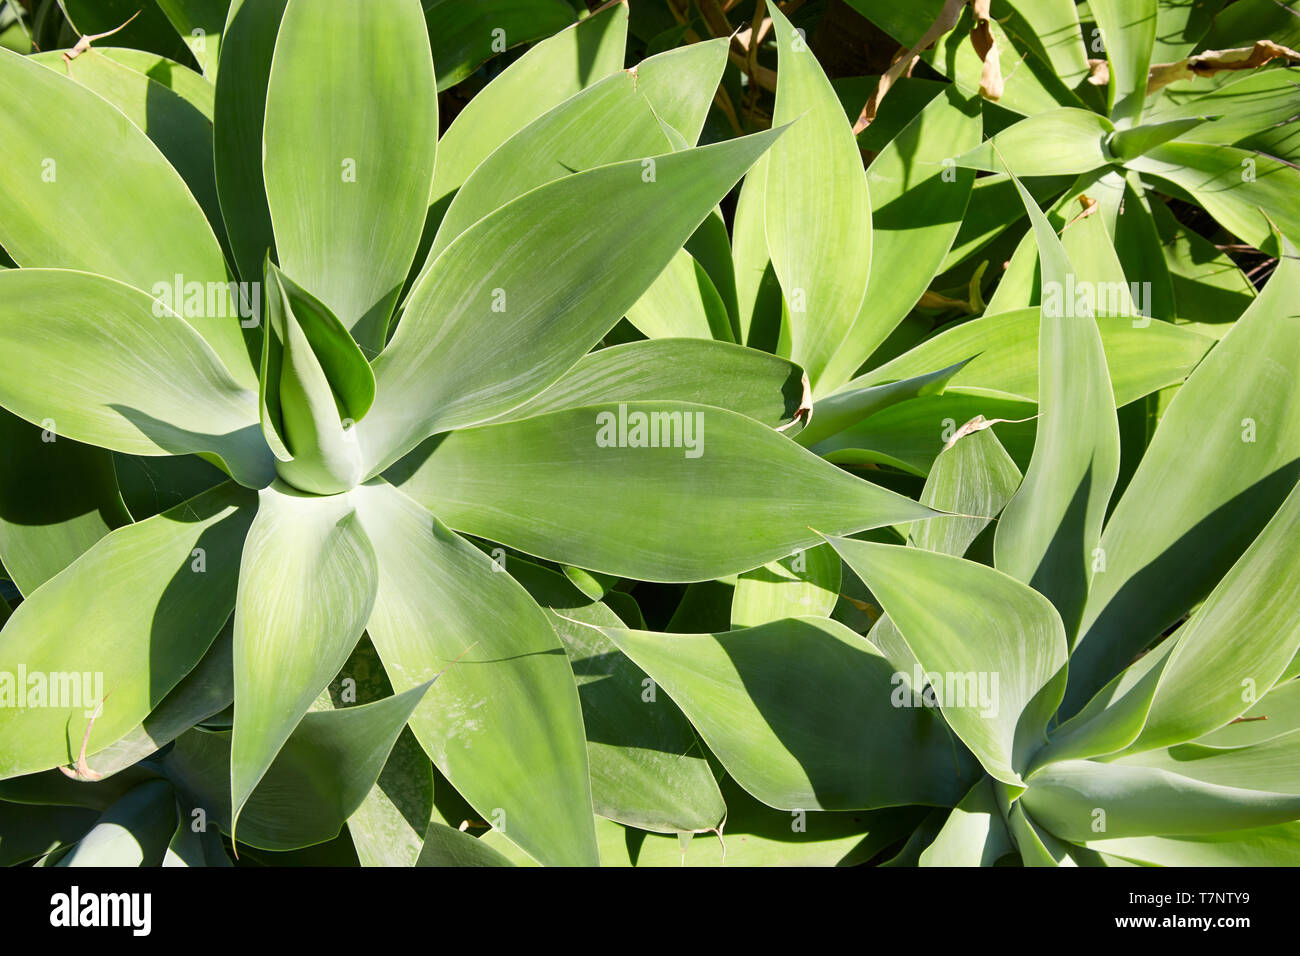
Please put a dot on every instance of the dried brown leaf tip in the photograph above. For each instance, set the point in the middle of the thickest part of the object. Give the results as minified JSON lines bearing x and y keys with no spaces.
{"x":82,"y":770}
{"x":1214,"y":61}
{"x":83,"y":44}
{"x":1088,"y":206}
{"x":981,"y":37}
{"x":803,"y":414}
{"x":978,"y":424}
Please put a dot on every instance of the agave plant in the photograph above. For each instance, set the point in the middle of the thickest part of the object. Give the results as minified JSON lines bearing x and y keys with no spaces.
{"x":348,"y":522}
{"x":354,"y":448}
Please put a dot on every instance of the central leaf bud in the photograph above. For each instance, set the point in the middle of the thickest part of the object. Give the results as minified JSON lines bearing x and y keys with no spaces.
{"x":315,"y":386}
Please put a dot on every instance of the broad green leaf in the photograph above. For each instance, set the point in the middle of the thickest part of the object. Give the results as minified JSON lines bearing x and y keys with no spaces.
{"x":1078,"y":799}
{"x":843,"y":409}
{"x":1000,"y":352}
{"x":722,"y":493}
{"x":1066,"y":140}
{"x":1249,"y":104}
{"x":1054,"y":28}
{"x":181,"y":80}
{"x":816,"y":208}
{"x":1205,"y":683}
{"x":132,"y":832}
{"x":910,"y":435}
{"x":307,"y":582}
{"x":154,"y":594}
{"x":1210,"y":290}
{"x":1240,"y":188}
{"x":178,"y":127}
{"x":315,"y":385}
{"x":917,"y":206}
{"x":27,"y":832}
{"x":55,"y":211}
{"x":647,"y":767}
{"x":133,"y":376}
{"x":204,"y":691}
{"x":758,"y":291}
{"x":805,"y":584}
{"x":387,"y":829}
{"x":799,"y":711}
{"x":998,"y":679}
{"x":541,"y":79}
{"x":1048,"y":531}
{"x":1267,"y":766}
{"x":322,"y":773}
{"x":444,"y":846}
{"x":680,"y":84}
{"x":1219,"y":466}
{"x":1265,"y":846}
{"x":505,"y":725}
{"x":761,"y":386}
{"x":972,"y":480}
{"x":1128,"y":144}
{"x":682,"y":303}
{"x":974,"y":835}
{"x":1128,"y":29}
{"x":557,"y":144}
{"x":1274,"y":714}
{"x":57,"y":498}
{"x":200,"y":24}
{"x":757,"y":835}
{"x":464,"y":35}
{"x":333,"y":174}
{"x":439,"y":373}
{"x":240,"y":113}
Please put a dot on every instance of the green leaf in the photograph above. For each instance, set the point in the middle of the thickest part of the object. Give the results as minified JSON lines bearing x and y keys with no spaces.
{"x":1265,"y":846}
{"x":132,"y":375}
{"x":200,"y":24}
{"x":444,"y":846}
{"x":1144,"y":801}
{"x":682,"y":303}
{"x":1128,"y":144}
{"x":799,"y":711}
{"x":1240,"y":188}
{"x":1048,"y":531}
{"x":439,"y":372}
{"x":998,"y":680}
{"x":323,"y":772}
{"x":307,"y":582}
{"x":647,"y":767}
{"x":818,"y":214}
{"x":505,"y":725}
{"x":731,"y":495}
{"x":464,"y":35}
{"x":331,"y":175}
{"x":763,"y":387}
{"x":27,"y":832}
{"x":205,"y":691}
{"x":240,"y":114}
{"x":917,"y":208}
{"x":154,"y":594}
{"x":55,"y":211}
{"x":973,"y":480}
{"x":680,"y":84}
{"x":57,"y":498}
{"x":974,"y":834}
{"x":557,"y":144}
{"x":1204,"y":684}
{"x":315,"y":385}
{"x":541,"y":79}
{"x":132,"y":832}
{"x":1066,"y":140}
{"x":805,"y":584}
{"x":1219,"y":466}
{"x":178,"y":127}
{"x":1128,"y":28}
{"x":843,"y":409}
{"x":1280,"y":713}
{"x":1000,"y":354}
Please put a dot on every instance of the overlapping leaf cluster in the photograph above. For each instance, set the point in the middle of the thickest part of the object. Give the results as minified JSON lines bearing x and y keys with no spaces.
{"x":974,"y":545}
